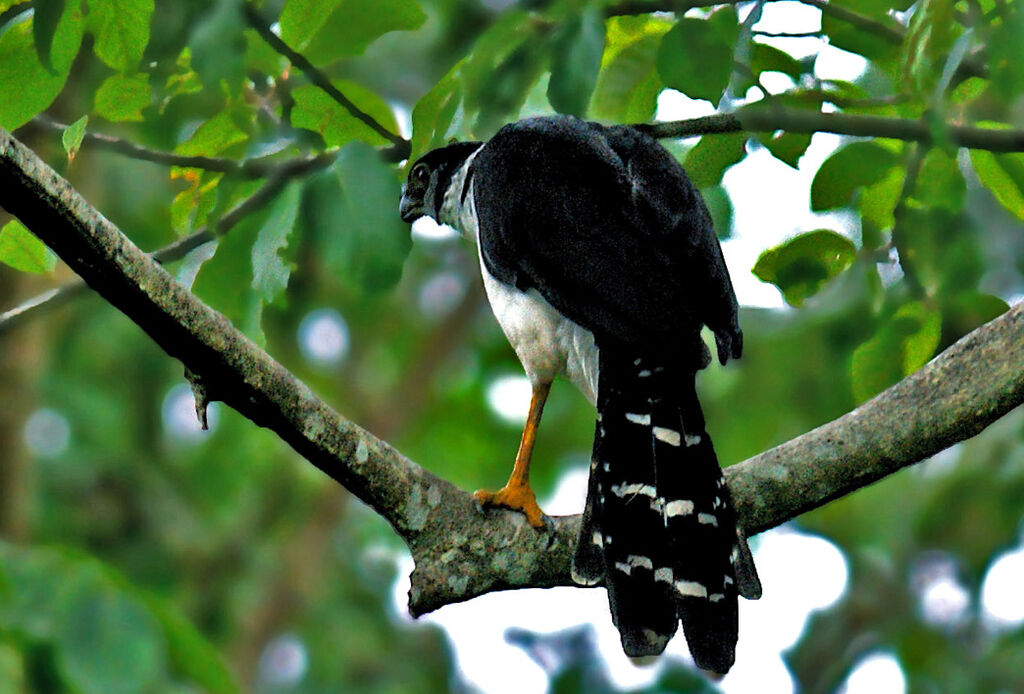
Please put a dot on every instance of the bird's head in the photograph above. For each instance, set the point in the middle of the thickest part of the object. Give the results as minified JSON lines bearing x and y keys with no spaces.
{"x":429,"y":178}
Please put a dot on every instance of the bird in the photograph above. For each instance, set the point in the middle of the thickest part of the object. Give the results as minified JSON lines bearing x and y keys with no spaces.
{"x":601,"y":264}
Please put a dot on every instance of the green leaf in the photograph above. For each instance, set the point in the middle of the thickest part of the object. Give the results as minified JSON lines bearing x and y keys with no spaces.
{"x":576,"y":61}
{"x":787,"y":147}
{"x":104,"y":634}
{"x":190,"y":653}
{"x":965,"y":311}
{"x":940,"y":183}
{"x":12,"y":669}
{"x":270,"y":272}
{"x":377,"y":240}
{"x":850,"y":37}
{"x":878,"y":201}
{"x":45,"y":18}
{"x":493,"y":47}
{"x":213,"y":137}
{"x":35,"y":601}
{"x":695,"y":56}
{"x":505,"y":90}
{"x":628,"y":84}
{"x":855,"y":165}
{"x":190,"y":207}
{"x":801,"y":266}
{"x":720,"y":207}
{"x":1007,"y":69}
{"x":765,"y":58}
{"x":707,"y":161}
{"x":121,"y":31}
{"x":497,"y":77}
{"x":1003,"y":174}
{"x":940,"y":248}
{"x":259,"y":55}
{"x":904,"y":343}
{"x":111,"y":645}
{"x":433,"y":114}
{"x":315,"y":110}
{"x":927,"y":44}
{"x":217,"y":45}
{"x":324,"y":31}
{"x":28,"y":86}
{"x":185,"y":80}
{"x":919,"y":345}
{"x":73,"y":135}
{"x":122,"y":97}
{"x":20,"y":249}
{"x":225,"y":280}
{"x":349,"y":211}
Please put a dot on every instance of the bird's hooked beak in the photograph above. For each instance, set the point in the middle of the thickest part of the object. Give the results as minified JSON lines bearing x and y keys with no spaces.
{"x":410,"y":208}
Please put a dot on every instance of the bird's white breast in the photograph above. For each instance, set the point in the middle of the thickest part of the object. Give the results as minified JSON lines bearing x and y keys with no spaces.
{"x":547,"y":343}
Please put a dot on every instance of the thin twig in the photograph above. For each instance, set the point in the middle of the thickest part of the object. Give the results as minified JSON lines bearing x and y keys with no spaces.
{"x":886,"y":31}
{"x":890,"y":32}
{"x":914,"y":159}
{"x":401,"y":146}
{"x":787,"y":34}
{"x":754,"y":118}
{"x":769,"y":118}
{"x":54,"y":298}
{"x":256,"y":167}
{"x":631,"y":7}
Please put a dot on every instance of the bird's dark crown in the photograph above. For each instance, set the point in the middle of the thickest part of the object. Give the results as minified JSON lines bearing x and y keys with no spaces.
{"x":430,"y":177}
{"x":448,"y":157}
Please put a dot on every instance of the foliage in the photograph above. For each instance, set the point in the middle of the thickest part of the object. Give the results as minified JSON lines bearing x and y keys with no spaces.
{"x":203,"y":548}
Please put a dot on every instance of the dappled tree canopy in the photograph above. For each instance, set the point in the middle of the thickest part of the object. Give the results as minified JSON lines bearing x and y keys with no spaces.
{"x":257,"y":151}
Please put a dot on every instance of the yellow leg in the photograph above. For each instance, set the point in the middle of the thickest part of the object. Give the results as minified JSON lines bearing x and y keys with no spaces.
{"x":516,"y":494}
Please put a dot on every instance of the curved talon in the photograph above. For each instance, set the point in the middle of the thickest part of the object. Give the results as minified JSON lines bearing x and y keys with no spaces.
{"x":517,"y":498}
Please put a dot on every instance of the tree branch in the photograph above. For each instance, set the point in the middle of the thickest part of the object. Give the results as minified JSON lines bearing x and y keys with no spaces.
{"x":257,"y":167}
{"x":400,"y":146}
{"x":460,"y":552}
{"x":769,"y":118}
{"x":280,"y":175}
{"x":891,"y":32}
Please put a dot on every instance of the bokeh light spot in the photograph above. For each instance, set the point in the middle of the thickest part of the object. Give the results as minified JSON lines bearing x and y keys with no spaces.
{"x":426,"y":229}
{"x":1001,"y":603}
{"x":324,"y":337}
{"x":509,"y":398}
{"x":47,"y":433}
{"x":283,"y":661}
{"x":441,"y":293}
{"x":877,"y":673}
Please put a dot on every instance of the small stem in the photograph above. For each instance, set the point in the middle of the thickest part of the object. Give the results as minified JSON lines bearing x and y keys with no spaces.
{"x":317,"y":77}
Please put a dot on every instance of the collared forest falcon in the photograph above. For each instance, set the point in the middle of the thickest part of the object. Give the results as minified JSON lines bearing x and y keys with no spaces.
{"x":600,"y":263}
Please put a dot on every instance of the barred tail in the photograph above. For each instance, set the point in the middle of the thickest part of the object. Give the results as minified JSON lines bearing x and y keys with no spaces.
{"x":659,"y":527}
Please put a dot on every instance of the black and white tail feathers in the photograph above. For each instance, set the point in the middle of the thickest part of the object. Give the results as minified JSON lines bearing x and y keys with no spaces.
{"x":659,"y":527}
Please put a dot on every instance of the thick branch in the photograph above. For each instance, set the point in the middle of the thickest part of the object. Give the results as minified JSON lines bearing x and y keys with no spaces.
{"x":460,"y":552}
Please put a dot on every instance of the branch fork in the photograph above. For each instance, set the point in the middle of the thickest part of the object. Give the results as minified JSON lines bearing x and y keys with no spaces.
{"x":460,"y":552}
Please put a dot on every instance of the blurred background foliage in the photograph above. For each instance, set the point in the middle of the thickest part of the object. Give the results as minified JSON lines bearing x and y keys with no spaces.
{"x":142,"y":555}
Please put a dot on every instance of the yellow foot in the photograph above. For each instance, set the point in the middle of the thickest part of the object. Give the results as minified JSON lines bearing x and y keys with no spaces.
{"x":519,"y":498}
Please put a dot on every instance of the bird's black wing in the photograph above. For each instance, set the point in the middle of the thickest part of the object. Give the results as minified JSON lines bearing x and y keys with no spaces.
{"x":604,"y":224}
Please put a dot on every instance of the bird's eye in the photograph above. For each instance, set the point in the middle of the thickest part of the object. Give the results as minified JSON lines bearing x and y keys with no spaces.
{"x":420,"y":173}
